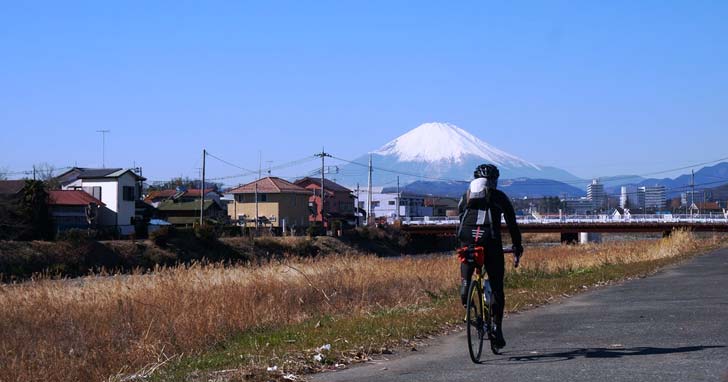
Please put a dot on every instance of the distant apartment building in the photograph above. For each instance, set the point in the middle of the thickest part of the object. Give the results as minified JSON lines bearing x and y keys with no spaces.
{"x":690,"y":197}
{"x":652,"y":197}
{"x":629,"y":198}
{"x":578,"y":206}
{"x":595,"y":193}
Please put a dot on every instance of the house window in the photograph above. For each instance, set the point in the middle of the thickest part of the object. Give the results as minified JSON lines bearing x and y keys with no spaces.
{"x":128,"y":193}
{"x":94,"y":191}
{"x":262,"y":197}
{"x":391,"y":202}
{"x":361,"y":204}
{"x":375,"y":204}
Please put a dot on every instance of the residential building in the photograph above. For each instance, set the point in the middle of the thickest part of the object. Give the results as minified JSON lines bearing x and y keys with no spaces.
{"x":339,"y":202}
{"x":578,"y":206}
{"x":442,"y":206}
{"x":154,"y":197}
{"x":280,"y":204}
{"x":118,"y":189}
{"x":181,"y":194}
{"x":11,"y":193}
{"x":688,"y":197}
{"x":706,"y":207}
{"x":187,"y":214}
{"x":384,"y":204}
{"x":73,"y":209}
{"x":620,"y":213}
{"x":638,"y":202}
{"x":595,"y":193}
{"x":629,"y":198}
{"x":653,"y":197}
{"x":11,"y":189}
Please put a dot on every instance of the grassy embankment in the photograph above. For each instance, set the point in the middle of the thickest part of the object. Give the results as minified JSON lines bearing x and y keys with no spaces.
{"x":231,"y":323}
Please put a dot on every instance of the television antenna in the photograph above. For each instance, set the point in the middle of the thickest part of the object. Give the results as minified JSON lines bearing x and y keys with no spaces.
{"x":103,"y":146}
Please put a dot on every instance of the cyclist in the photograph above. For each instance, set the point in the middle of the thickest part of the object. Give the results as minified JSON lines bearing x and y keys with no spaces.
{"x":480,"y":211}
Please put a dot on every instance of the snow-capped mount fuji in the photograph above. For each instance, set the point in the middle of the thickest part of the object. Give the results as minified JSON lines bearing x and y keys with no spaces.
{"x":445,"y":142}
{"x":441,"y":151}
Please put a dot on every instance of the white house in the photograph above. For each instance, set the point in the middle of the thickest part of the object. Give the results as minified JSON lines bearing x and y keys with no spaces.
{"x":621,"y":214}
{"x":117,"y":188}
{"x":385,"y":204}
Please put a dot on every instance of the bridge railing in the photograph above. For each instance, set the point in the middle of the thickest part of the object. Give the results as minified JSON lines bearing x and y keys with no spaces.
{"x":594,"y":219}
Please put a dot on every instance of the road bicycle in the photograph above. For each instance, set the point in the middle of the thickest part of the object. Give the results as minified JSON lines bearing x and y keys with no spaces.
{"x":479,"y":310}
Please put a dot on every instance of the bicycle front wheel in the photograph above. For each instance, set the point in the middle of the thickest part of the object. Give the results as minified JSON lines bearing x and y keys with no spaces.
{"x":475,"y":324}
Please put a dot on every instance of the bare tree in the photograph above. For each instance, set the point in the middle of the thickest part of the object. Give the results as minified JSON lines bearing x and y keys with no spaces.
{"x":3,"y":173}
{"x":45,"y":172}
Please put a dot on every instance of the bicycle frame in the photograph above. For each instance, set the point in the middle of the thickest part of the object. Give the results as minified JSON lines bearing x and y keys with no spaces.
{"x":481,"y":279}
{"x":481,"y":292}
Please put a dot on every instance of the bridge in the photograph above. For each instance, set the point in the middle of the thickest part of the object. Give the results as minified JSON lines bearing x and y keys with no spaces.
{"x":570,"y":226}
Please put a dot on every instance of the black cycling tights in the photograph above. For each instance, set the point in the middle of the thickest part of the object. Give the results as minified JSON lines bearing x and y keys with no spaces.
{"x":495,"y":267}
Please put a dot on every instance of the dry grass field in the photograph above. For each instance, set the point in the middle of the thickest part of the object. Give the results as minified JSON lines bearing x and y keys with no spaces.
{"x":100,"y":328}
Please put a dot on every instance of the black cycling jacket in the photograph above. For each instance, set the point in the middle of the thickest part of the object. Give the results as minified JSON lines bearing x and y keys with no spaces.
{"x":499,"y":205}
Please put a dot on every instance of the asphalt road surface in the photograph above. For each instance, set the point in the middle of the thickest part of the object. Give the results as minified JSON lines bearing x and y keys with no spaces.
{"x":672,"y":326}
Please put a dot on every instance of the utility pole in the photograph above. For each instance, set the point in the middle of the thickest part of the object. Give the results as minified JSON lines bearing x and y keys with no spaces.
{"x":260,"y":158}
{"x":692,"y":192}
{"x":323,"y":154}
{"x":398,"y":196}
{"x":202,"y":190}
{"x":369,"y":193}
{"x":103,"y":146}
{"x":356,"y":205}
{"x":141,"y":182}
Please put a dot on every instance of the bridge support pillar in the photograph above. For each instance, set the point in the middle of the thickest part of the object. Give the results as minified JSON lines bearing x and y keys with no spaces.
{"x":590,"y":237}
{"x":569,"y":237}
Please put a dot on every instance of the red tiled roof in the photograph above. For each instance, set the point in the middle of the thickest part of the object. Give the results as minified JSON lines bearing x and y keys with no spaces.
{"x":161,"y":194}
{"x":328,"y":184}
{"x":195,"y":192}
{"x":71,"y":198}
{"x":271,"y":185}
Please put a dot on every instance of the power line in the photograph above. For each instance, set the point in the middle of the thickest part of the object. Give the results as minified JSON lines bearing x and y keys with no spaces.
{"x":231,"y":164}
{"x":397,"y":172}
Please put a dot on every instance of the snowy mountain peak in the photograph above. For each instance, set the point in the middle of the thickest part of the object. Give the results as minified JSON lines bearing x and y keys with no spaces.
{"x":437,"y":142}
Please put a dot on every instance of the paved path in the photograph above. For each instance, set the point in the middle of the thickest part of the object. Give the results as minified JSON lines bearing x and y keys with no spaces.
{"x":672,"y":326}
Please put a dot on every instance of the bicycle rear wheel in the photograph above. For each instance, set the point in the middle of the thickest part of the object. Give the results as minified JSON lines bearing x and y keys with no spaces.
{"x":474,"y":317}
{"x":490,"y":328}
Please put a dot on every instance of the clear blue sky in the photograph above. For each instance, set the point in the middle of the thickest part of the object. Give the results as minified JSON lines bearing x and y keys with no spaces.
{"x":596,"y":88}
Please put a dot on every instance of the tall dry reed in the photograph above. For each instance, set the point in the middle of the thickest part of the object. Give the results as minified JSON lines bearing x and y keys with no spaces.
{"x":92,"y":328}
